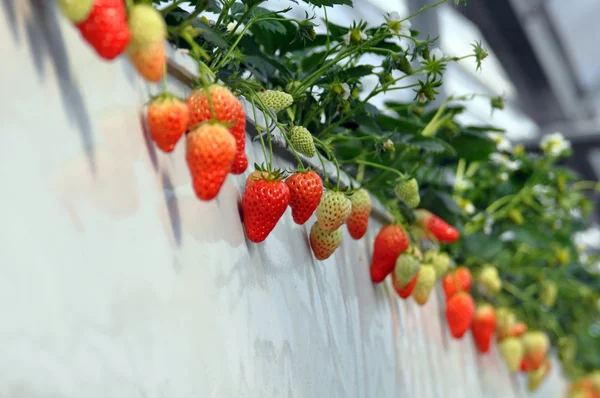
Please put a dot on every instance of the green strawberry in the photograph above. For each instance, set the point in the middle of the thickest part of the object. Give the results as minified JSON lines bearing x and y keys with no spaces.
{"x":511,"y":349}
{"x":407,"y":266}
{"x":490,"y":280}
{"x":505,"y":320}
{"x":302,"y":141}
{"x":147,"y":26}
{"x":402,"y":64}
{"x":276,"y":100}
{"x":333,"y":211}
{"x":324,"y":243}
{"x":408,"y":192}
{"x":439,"y":260}
{"x":548,"y":294}
{"x":425,"y":283}
{"x":76,"y":10}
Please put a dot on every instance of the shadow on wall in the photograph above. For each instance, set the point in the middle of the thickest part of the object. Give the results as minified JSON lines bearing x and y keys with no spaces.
{"x":46,"y":40}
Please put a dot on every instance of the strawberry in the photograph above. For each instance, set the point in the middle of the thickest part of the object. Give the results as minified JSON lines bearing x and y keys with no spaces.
{"x":389,"y":243}
{"x":306,"y":189}
{"x":408,"y":192}
{"x":511,"y":349}
{"x":210,"y":153}
{"x":146,"y":49}
{"x":459,"y":313}
{"x":255,"y":176}
{"x":302,"y":141}
{"x":147,"y":26}
{"x":76,"y":10}
{"x":425,"y":283}
{"x":228,"y":109}
{"x":406,"y":291}
{"x":505,"y":320}
{"x":263,"y":204}
{"x":518,"y":329}
{"x":490,"y":280}
{"x":168,"y":119}
{"x":535,"y":344}
{"x":439,"y":260}
{"x":359,"y":217}
{"x":548,"y":294}
{"x":459,"y":280}
{"x":324,"y":243}
{"x":439,"y":228}
{"x":106,"y":28}
{"x":407,"y":267}
{"x":463,"y":275}
{"x":333,"y":211}
{"x":148,"y":61}
{"x":276,"y":100}
{"x":483,"y":327}
{"x":535,"y":377}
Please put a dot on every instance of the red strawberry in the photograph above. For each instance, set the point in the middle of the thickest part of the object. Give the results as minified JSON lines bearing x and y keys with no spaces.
{"x":324,"y":243}
{"x":361,"y":210}
{"x":463,"y":275}
{"x":106,"y":28}
{"x":518,"y":329}
{"x":536,"y":346}
{"x":255,"y":176}
{"x":228,"y":109}
{"x":459,"y":280}
{"x":210,"y":152}
{"x":459,"y":313}
{"x":483,"y":327}
{"x":407,"y":290}
{"x":439,"y":228}
{"x":168,"y":119}
{"x":390,"y":242}
{"x":306,"y":189}
{"x":263,"y":203}
{"x":333,"y":211}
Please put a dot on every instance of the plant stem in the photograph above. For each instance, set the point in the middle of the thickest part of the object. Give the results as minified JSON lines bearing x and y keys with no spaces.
{"x":171,"y":7}
{"x":260,"y":137}
{"x":379,"y":166}
{"x":424,"y":9}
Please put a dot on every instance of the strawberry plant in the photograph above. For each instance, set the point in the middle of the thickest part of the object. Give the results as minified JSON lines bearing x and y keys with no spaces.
{"x":497,"y":224}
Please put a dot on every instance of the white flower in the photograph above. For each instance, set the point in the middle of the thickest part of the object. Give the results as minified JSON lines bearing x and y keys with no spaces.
{"x":400,"y":42}
{"x":436,"y":53}
{"x":346,"y":92}
{"x":503,"y":160}
{"x":389,"y":144}
{"x":540,"y":190}
{"x":507,"y":236}
{"x":354,"y":36}
{"x":502,"y":143}
{"x":554,"y":144}
{"x":396,"y":24}
{"x":503,"y":176}
{"x":231,"y":26}
{"x":469,"y":208}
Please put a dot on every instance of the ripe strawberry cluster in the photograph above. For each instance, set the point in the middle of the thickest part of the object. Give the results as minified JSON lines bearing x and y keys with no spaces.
{"x":111,"y":29}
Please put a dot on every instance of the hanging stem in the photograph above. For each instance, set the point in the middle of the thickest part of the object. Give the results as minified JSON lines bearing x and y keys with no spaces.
{"x":262,"y":141}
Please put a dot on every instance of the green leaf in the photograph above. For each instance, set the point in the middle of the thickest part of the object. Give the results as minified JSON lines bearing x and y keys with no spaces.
{"x":432,"y":144}
{"x":210,"y":34}
{"x":313,"y":60}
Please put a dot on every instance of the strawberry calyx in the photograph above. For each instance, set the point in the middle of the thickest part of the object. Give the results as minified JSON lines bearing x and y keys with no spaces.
{"x":269,"y":175}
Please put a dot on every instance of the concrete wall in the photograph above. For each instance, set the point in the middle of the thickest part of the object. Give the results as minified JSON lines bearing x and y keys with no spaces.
{"x":115,"y":281}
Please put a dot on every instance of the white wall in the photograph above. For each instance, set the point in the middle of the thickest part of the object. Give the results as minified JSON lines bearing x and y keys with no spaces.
{"x":115,"y":281}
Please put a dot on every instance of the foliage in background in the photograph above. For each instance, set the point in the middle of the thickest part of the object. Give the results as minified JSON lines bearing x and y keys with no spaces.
{"x":516,"y":210}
